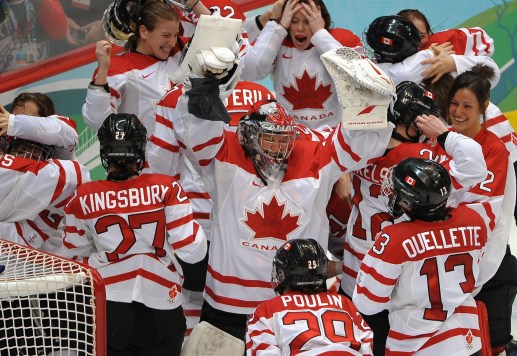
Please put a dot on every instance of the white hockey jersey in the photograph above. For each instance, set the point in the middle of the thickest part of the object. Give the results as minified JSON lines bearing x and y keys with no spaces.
{"x":308,"y":324}
{"x":251,"y":220}
{"x":424,"y":274}
{"x":471,"y":45}
{"x":137,"y":82}
{"x":33,"y":195}
{"x":129,"y":231}
{"x":463,"y":158}
{"x":302,"y":84}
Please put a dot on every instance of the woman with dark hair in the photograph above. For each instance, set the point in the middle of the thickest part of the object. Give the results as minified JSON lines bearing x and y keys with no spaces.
{"x":289,"y":47}
{"x":497,"y":283}
{"x":34,"y":118}
{"x":135,"y":80}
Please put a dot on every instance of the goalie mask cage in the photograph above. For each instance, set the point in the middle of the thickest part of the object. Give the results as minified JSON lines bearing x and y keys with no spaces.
{"x":49,"y":305}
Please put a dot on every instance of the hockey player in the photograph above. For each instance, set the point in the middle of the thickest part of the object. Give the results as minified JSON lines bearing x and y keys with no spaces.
{"x":468,"y":102}
{"x":34,"y":118}
{"x":424,"y":270}
{"x":304,"y":317}
{"x":462,"y":156}
{"x":289,"y":48}
{"x":135,"y":80}
{"x":37,"y":134}
{"x":129,"y":227}
{"x":260,"y":175}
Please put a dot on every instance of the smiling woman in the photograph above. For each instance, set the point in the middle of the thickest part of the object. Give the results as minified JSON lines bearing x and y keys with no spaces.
{"x":135,"y":80}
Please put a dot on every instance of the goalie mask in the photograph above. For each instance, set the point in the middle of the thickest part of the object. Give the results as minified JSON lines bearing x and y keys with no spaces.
{"x":412,"y":100}
{"x":119,"y":20}
{"x":418,"y":188}
{"x":392,"y":39}
{"x":29,"y":149}
{"x":300,"y":265}
{"x":267,"y":135}
{"x":122,"y":139}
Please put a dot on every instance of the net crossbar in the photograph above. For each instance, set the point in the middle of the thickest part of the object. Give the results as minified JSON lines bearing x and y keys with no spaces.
{"x":49,"y":305}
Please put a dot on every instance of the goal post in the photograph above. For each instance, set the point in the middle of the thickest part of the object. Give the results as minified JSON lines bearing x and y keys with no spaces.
{"x":49,"y":305}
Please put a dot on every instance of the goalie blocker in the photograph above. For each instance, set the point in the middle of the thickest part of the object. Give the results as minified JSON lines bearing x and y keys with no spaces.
{"x":364,"y":91}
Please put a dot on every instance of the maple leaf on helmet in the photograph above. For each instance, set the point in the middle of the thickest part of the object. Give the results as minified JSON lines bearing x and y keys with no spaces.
{"x":267,"y":135}
{"x":306,"y":95}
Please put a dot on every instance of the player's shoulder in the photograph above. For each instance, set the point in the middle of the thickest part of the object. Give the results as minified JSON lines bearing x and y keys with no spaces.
{"x":171,"y":97}
{"x":227,"y":8}
{"x":129,"y":61}
{"x":345,"y":37}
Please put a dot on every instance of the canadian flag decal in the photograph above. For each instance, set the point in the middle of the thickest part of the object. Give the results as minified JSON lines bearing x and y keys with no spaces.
{"x":410,"y":181}
{"x":429,"y":94}
{"x":387,"y":41}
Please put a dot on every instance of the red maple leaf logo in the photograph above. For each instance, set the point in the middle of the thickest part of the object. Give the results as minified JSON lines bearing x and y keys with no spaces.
{"x":469,"y":338}
{"x":305,"y":94}
{"x":273,"y":222}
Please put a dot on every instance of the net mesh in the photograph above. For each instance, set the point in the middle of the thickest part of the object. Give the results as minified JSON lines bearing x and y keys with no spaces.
{"x":49,"y":305}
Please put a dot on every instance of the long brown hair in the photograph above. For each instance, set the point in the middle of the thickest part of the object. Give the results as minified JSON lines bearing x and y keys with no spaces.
{"x":152,"y":12}
{"x":476,"y":80}
{"x":324,"y":12}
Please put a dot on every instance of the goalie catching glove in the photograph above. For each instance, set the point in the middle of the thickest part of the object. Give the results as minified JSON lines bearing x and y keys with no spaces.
{"x":364,"y":91}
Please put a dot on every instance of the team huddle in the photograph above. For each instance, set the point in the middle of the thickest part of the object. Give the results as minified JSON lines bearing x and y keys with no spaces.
{"x":227,"y":208}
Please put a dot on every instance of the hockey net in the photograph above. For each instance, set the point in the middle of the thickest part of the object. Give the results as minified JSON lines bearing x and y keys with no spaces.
{"x":49,"y":305}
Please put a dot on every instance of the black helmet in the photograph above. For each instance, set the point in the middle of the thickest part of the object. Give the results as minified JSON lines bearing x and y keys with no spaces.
{"x":122,"y":139}
{"x":419,"y":188}
{"x":412,"y":100}
{"x":392,"y":38}
{"x":29,"y":149}
{"x":300,"y":264}
{"x":119,"y":20}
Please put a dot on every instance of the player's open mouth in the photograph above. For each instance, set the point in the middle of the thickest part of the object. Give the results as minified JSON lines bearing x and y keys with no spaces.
{"x":457,"y":119}
{"x":300,"y":39}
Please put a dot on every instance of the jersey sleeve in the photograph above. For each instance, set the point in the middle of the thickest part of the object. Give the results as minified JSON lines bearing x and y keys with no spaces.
{"x":465,"y":63}
{"x":466,"y":41}
{"x":260,"y":337}
{"x":259,"y":59}
{"x":31,"y":187}
{"x":59,"y":131}
{"x":468,"y":166}
{"x":376,"y":278}
{"x":78,"y":240}
{"x":186,"y":237}
{"x":410,"y":68}
{"x":163,"y":156}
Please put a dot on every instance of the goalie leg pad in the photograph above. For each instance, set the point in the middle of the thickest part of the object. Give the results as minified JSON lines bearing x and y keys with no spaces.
{"x":206,"y":340}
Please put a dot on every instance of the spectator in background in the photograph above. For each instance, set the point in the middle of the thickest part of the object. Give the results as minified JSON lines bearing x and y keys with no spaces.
{"x":83,"y":24}
{"x":26,"y":28}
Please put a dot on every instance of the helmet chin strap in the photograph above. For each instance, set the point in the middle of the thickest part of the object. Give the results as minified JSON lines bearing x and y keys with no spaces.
{"x":409,"y":138}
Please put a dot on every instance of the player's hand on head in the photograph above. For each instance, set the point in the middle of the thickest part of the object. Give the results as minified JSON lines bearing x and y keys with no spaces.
{"x":276,"y":11}
{"x":313,"y":15}
{"x":292,"y":7}
{"x":430,"y":125}
{"x":4,"y":120}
